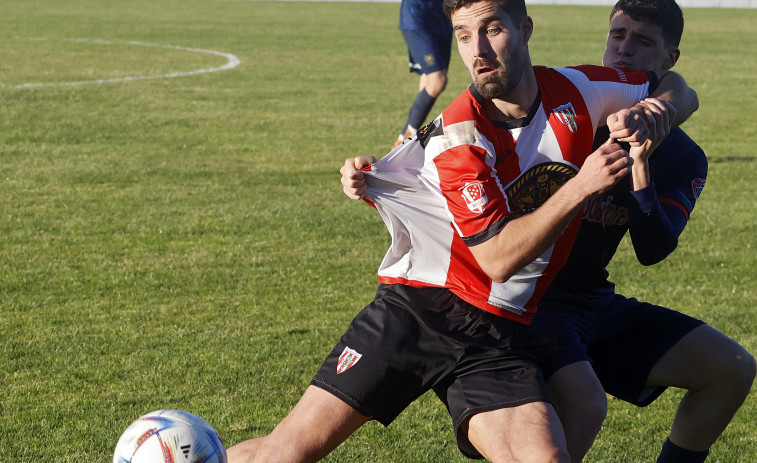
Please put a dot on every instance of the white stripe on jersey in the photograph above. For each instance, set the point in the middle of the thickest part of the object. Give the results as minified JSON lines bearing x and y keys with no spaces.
{"x":416,"y":219}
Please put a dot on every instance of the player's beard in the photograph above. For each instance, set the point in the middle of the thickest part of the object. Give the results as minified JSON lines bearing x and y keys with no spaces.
{"x":502,"y":83}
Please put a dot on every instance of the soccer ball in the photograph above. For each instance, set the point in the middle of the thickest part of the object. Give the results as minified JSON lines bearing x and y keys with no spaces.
{"x":168,"y":436}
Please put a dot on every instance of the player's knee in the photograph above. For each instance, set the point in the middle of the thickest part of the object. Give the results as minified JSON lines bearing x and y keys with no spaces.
{"x":737,"y":373}
{"x":586,"y":423}
{"x":747,"y":370}
{"x":538,"y":455}
{"x":546,"y":455}
{"x":436,"y":82}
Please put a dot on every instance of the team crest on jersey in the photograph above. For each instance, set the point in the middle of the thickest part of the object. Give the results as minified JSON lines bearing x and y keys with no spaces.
{"x":475,"y":196}
{"x":566,"y":114}
{"x":347,"y":360}
{"x":697,"y":185}
{"x":533,"y":188}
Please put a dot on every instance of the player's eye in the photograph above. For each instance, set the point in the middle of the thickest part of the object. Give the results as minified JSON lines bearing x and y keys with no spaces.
{"x":464,"y":38}
{"x":492,"y":31}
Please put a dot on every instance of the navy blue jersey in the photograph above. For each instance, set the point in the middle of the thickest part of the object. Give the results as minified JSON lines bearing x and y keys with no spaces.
{"x":424,"y":16}
{"x":655,"y":216}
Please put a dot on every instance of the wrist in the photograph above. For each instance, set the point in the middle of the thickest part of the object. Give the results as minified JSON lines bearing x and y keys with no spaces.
{"x":640,"y":174}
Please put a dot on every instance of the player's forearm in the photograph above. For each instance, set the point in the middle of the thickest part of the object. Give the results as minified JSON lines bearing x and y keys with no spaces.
{"x":640,"y":177}
{"x":526,"y":238}
{"x":654,"y":236}
{"x":654,"y":227}
{"x":673,"y":89}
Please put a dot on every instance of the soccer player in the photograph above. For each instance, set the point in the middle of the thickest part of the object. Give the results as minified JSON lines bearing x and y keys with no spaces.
{"x":428,"y":35}
{"x":638,"y":349}
{"x":477,"y":205}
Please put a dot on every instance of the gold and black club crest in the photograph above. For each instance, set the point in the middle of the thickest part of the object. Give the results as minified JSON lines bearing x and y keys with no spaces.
{"x":534,"y":187}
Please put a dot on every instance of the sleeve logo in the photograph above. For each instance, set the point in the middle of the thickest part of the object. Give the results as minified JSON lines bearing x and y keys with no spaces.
{"x":697,"y":185}
{"x":475,"y":196}
{"x":347,"y":360}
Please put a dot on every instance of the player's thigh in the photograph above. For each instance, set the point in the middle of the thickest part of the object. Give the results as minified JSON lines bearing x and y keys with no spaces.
{"x":703,"y":355}
{"x":578,"y":396}
{"x":526,"y":433}
{"x":316,"y":425}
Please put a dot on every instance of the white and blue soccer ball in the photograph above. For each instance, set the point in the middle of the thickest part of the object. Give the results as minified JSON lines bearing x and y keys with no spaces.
{"x":170,"y":436}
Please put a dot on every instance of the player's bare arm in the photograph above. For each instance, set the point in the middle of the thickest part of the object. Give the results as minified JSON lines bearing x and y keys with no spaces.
{"x":671,"y":90}
{"x":659,"y":114}
{"x":526,"y":238}
{"x":353,"y":179}
{"x":632,"y":125}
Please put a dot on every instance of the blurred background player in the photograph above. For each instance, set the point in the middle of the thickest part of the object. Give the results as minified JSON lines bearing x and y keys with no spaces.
{"x":631,"y":349}
{"x":428,"y":34}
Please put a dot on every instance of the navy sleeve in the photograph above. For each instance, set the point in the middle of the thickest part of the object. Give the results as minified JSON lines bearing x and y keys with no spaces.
{"x":660,"y":212}
{"x":654,"y":228}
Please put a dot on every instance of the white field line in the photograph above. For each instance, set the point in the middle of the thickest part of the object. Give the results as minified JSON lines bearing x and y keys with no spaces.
{"x":231,"y":62}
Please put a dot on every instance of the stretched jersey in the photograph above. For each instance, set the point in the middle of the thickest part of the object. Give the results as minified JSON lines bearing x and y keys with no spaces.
{"x":464,"y":177}
{"x":655,"y":216}
{"x":425,"y":16}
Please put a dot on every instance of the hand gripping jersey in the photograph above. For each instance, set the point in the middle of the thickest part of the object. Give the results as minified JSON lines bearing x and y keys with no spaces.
{"x":463,"y":177}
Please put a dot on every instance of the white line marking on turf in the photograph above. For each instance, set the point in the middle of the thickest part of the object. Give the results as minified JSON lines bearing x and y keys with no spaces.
{"x":231,"y":62}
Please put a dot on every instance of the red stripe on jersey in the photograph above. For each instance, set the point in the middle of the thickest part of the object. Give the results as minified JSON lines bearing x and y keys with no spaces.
{"x":560,"y":254}
{"x":466,"y":165}
{"x":404,"y":281}
{"x":675,"y":203}
{"x":460,"y":109}
{"x":600,"y":73}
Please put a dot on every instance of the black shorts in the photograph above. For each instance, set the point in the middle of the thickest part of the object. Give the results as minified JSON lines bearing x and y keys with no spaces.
{"x":410,"y":340}
{"x":621,"y":337}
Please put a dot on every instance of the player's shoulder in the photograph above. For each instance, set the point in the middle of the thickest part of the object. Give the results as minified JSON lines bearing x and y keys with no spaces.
{"x":598,"y":74}
{"x":467,"y":106}
{"x":679,"y":147}
{"x":458,"y":125}
{"x":680,"y":156}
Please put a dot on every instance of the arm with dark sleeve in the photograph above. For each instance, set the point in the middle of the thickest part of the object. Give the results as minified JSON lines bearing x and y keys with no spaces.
{"x":661,"y":211}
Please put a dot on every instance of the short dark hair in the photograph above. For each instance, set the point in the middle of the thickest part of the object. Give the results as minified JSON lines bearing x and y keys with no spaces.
{"x":516,"y":9}
{"x":664,"y":13}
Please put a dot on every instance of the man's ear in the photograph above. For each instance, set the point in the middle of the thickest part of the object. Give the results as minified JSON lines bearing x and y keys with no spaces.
{"x":672,"y":58}
{"x":527,"y":28}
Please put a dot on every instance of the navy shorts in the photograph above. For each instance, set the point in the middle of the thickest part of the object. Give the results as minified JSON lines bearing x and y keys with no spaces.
{"x":410,"y":340}
{"x":427,"y":53}
{"x":622,"y":338}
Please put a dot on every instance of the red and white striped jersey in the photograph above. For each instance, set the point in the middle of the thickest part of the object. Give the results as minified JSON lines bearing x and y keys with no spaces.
{"x":463,"y":177}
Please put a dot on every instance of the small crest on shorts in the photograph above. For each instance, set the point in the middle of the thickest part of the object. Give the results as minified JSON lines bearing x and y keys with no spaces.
{"x":566,"y":114}
{"x":475,"y":196}
{"x":347,"y":360}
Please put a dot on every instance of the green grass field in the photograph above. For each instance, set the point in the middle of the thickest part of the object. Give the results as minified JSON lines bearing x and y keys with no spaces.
{"x":184,"y":243}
